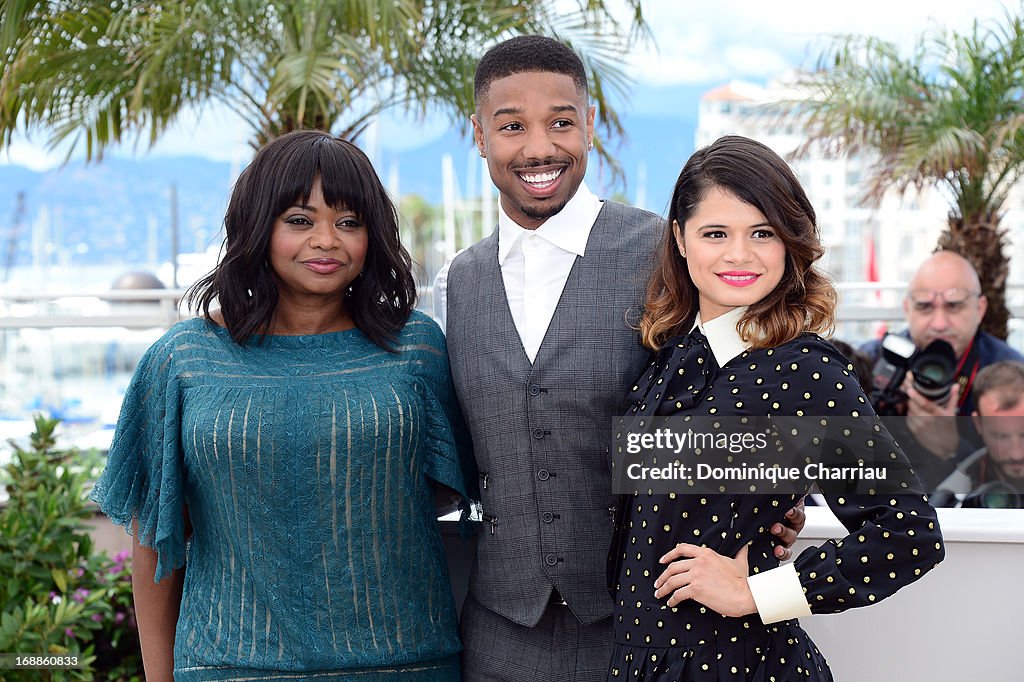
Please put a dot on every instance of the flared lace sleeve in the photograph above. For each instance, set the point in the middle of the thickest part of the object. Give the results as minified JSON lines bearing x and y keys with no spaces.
{"x":144,"y":475}
{"x":450,"y":454}
{"x":451,"y":458}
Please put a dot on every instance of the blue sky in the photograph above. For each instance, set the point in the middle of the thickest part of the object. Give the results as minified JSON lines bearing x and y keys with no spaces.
{"x":695,"y":43}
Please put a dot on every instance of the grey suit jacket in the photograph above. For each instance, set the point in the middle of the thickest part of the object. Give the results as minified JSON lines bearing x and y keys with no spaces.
{"x":541,"y":432}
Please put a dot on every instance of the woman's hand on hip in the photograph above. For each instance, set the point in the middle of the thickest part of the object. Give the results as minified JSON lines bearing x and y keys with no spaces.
{"x":705,"y":576}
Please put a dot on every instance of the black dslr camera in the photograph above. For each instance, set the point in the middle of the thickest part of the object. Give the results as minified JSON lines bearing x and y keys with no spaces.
{"x":991,"y":495}
{"x":994,"y":495}
{"x":934,"y":368}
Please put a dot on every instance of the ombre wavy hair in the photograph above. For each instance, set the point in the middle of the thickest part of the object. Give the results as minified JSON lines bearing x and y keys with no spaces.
{"x":803,"y":301}
{"x":282,"y":174}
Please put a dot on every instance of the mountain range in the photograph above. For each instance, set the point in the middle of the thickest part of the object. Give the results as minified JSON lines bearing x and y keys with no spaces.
{"x":118,"y":211}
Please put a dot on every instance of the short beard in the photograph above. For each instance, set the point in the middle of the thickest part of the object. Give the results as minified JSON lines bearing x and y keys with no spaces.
{"x":542,"y":213}
{"x":1016,"y":483}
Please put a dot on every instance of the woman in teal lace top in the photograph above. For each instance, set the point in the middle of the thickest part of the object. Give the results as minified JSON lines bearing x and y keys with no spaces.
{"x":279,"y":457}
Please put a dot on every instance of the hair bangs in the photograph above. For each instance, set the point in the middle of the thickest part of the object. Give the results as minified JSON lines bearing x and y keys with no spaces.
{"x":346,"y":182}
{"x":294,"y":182}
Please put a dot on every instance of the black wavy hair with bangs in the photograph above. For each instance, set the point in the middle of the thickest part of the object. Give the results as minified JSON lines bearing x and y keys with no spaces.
{"x":281,"y":175}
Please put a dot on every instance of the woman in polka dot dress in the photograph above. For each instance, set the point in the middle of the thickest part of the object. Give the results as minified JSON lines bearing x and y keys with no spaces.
{"x":733,"y":312}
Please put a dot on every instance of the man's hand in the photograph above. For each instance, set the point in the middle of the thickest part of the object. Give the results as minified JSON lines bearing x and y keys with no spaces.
{"x":939,"y":436}
{"x":707,"y":577}
{"x":446,"y":500}
{"x":788,"y":531}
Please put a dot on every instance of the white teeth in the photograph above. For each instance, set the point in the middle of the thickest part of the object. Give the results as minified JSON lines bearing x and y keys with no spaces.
{"x":540,"y":178}
{"x":738,"y":278}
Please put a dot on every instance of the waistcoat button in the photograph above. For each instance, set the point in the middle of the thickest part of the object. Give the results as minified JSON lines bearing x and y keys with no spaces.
{"x":538,"y":433}
{"x":534,"y":389}
{"x":547,"y":517}
{"x":543,"y":474}
{"x":551,"y":560}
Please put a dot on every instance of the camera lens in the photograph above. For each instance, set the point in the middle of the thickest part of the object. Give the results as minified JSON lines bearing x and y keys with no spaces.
{"x":934,"y":369}
{"x":934,"y":373}
{"x":994,"y":495}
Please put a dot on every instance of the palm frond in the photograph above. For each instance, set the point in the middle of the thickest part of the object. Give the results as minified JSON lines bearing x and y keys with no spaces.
{"x":947,"y":115}
{"x":95,"y":74}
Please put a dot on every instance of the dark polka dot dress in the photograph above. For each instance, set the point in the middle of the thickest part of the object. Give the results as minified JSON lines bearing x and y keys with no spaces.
{"x":893,"y":541}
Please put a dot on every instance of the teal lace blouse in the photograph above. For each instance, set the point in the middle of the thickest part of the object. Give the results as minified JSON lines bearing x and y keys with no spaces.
{"x":305,"y":465}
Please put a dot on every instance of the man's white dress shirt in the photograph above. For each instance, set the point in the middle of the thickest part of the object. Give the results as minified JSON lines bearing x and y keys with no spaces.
{"x":535,"y":265}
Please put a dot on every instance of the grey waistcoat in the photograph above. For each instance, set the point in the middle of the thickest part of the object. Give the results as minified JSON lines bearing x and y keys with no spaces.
{"x":541,"y":432}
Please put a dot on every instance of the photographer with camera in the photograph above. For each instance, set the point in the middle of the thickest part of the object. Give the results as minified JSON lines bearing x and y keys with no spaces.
{"x":943,"y":304}
{"x":993,"y":475}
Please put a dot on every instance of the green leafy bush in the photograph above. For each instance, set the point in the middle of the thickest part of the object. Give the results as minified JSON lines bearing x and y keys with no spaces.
{"x":59,"y":597}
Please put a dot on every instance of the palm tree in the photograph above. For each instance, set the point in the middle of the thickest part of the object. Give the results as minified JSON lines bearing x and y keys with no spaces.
{"x":949,"y":116}
{"x":98,"y":74}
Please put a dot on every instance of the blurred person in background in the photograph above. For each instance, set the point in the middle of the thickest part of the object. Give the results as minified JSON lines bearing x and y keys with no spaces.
{"x":860,"y":361}
{"x":944,"y":302}
{"x":993,"y":475}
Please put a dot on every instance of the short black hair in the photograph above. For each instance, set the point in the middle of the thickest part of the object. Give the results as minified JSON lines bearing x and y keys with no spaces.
{"x":282,"y":174}
{"x":524,"y":54}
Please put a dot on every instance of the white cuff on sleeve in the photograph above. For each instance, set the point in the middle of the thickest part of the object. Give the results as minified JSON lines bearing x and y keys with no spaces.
{"x":778,"y":594}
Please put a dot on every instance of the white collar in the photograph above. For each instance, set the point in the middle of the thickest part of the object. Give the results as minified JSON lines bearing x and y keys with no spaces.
{"x":569,"y":229}
{"x":725,"y":341}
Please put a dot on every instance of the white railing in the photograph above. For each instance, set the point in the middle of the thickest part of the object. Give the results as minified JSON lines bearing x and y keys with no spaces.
{"x":145,"y":309}
{"x":135,"y":309}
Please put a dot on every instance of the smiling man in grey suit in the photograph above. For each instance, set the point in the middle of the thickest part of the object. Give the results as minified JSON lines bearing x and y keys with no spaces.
{"x":543,"y":355}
